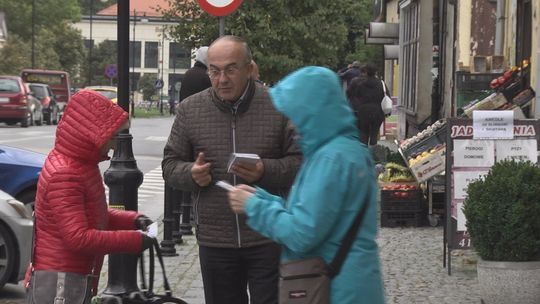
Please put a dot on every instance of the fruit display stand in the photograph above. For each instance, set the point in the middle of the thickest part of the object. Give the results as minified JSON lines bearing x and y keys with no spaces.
{"x":401,"y":200}
{"x":401,"y":205}
{"x":425,"y":153}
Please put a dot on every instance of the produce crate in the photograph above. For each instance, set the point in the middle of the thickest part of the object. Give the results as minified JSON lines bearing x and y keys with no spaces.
{"x":400,"y":219}
{"x":430,"y":166}
{"x":466,"y":81}
{"x":390,"y":198}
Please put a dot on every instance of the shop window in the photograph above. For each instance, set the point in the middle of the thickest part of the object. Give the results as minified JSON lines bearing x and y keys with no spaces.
{"x":179,"y":56}
{"x":523,"y":31}
{"x":151,"y":55}
{"x":409,"y":42}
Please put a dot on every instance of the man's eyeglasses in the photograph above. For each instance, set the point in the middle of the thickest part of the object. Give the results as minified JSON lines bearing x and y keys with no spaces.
{"x":229,"y":71}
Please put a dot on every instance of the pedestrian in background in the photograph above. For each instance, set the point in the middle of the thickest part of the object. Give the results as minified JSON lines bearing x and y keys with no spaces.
{"x":234,"y":115}
{"x":365,"y":94}
{"x":74,"y":228}
{"x":334,"y":183}
{"x":347,"y":75}
{"x":196,"y":79}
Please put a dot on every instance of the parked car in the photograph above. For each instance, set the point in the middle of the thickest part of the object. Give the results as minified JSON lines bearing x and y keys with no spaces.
{"x":16,"y":228}
{"x":17,"y":105}
{"x":49,"y":102}
{"x":19,"y":173}
{"x":108,"y":91}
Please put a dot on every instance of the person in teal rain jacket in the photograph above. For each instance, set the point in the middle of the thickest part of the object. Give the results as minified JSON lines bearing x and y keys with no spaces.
{"x":336,"y":179}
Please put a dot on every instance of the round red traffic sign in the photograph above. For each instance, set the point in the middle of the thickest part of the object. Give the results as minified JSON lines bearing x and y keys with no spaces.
{"x":219,"y":7}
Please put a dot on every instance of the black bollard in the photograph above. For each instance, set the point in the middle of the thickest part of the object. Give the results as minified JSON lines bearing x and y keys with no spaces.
{"x":185,"y":226}
{"x":177,"y":211}
{"x":167,"y":245}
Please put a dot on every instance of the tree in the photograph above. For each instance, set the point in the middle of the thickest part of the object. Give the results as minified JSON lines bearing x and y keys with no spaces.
{"x":57,"y":44}
{"x":146,"y":86}
{"x":283,"y":34}
{"x":97,"y":5}
{"x":14,"y":56}
{"x":49,"y":13}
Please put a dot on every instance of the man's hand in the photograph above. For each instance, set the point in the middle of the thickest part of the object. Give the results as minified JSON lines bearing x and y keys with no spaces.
{"x":238,"y":197}
{"x":251,"y":173}
{"x":200,"y":172}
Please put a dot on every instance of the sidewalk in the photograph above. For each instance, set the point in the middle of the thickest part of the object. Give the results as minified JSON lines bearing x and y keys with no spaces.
{"x":411,"y":258}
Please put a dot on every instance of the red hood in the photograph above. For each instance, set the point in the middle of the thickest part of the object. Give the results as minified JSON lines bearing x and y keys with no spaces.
{"x":89,"y":120}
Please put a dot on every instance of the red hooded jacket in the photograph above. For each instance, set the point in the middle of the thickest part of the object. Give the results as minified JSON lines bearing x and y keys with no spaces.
{"x":74,"y":226}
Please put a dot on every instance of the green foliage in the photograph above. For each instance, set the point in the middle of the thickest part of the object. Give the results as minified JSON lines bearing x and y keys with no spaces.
{"x":103,"y":54}
{"x":503,"y":212}
{"x":283,"y":34}
{"x":146,"y":86}
{"x":48,"y":13}
{"x":57,"y":44}
{"x":14,"y":56}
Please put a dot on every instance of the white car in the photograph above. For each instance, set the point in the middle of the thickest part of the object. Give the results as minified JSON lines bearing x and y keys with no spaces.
{"x":16,"y":229}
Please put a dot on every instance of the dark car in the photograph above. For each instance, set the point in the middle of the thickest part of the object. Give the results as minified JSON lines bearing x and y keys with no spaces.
{"x":17,"y":105}
{"x":16,"y":229}
{"x":48,"y":100}
{"x":19,"y":173}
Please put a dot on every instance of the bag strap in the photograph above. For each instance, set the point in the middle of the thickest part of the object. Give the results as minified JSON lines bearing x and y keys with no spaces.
{"x":335,"y":266}
{"x":154,"y":251}
{"x":384,"y":88}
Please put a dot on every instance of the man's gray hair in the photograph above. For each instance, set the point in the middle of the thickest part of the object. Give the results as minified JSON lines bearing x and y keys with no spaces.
{"x":239,"y":40}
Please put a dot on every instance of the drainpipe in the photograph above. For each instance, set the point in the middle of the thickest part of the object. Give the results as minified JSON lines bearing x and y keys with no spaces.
{"x":537,"y":103}
{"x":499,"y":29}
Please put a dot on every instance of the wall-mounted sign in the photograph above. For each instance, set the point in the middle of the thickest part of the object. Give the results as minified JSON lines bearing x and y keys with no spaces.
{"x":493,"y":124}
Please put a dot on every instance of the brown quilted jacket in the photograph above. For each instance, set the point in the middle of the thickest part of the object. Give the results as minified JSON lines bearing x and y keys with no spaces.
{"x":206,"y":124}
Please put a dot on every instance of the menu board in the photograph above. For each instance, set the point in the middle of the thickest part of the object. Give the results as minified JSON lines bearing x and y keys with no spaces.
{"x":469,"y":159}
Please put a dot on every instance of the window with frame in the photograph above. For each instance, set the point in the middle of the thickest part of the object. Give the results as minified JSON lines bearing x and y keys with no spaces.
{"x":135,"y":54}
{"x":151,"y":54}
{"x":408,"y":57}
{"x":179,"y":56}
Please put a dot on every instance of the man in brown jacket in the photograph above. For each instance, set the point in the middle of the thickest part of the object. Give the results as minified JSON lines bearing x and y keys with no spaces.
{"x":234,"y":115}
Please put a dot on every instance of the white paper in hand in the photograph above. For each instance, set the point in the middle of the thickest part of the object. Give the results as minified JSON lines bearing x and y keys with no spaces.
{"x":224,"y":185}
{"x":152,"y":230}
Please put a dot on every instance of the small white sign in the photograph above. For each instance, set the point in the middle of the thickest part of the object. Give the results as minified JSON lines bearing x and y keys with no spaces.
{"x":474,"y":153}
{"x":493,"y":124}
{"x":462,"y":179}
{"x":461,"y":220}
{"x":517,"y":149}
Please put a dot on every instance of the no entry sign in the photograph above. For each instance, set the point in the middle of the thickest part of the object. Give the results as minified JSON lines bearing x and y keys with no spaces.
{"x":219,"y":7}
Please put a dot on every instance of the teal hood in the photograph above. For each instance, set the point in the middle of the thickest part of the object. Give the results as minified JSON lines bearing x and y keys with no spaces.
{"x":321,"y":112}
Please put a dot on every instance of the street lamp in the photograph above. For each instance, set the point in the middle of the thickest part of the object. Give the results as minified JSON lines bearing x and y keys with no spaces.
{"x":123,"y":177}
{"x":33,"y":33}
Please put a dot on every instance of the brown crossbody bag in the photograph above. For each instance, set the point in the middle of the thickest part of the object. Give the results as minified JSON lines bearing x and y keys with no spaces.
{"x":307,"y":281}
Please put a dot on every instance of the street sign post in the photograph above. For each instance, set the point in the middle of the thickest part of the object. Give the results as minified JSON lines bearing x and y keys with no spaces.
{"x":158,"y":84}
{"x":219,"y":8}
{"x":111,"y":71}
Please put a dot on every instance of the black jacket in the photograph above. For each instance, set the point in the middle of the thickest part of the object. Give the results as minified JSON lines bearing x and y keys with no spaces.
{"x":195,"y":80}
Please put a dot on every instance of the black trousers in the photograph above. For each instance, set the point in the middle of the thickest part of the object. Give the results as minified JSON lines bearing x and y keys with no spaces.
{"x":228,"y":272}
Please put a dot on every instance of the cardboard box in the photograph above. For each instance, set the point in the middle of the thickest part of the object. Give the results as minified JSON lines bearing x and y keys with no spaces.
{"x":496,"y":63}
{"x":479,"y":64}
{"x":430,"y":166}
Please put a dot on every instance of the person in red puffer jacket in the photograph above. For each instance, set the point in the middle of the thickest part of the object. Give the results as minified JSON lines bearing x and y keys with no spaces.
{"x":74,"y":228}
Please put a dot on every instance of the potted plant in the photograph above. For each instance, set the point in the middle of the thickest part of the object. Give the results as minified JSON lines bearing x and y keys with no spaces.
{"x":503,"y":220}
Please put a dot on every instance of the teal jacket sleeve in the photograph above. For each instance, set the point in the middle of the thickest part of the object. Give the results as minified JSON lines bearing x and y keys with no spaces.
{"x":316,"y":205}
